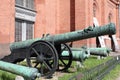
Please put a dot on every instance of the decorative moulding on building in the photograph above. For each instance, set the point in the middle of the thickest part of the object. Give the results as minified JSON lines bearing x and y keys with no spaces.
{"x":115,"y":1}
{"x":25,"y":13}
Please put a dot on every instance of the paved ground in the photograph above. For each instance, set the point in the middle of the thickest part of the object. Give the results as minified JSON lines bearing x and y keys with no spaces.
{"x":115,"y":53}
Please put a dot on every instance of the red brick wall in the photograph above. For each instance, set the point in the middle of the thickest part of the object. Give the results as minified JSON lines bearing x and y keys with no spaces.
{"x":63,"y":16}
{"x":46,"y":20}
{"x":52,"y":17}
{"x":40,"y":23}
{"x":7,"y":21}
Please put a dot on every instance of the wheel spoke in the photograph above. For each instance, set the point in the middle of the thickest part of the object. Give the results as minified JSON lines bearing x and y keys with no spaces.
{"x":35,"y":51}
{"x":47,"y":50}
{"x":47,"y":65}
{"x":41,"y":69}
{"x":62,"y":62}
{"x":36,"y":64}
{"x":63,"y":49}
{"x":41,"y":48}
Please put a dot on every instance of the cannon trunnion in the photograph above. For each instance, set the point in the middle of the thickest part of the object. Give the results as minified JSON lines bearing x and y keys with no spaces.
{"x":45,"y":53}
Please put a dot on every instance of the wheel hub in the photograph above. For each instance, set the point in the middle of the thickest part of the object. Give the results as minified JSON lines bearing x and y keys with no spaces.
{"x":40,"y":58}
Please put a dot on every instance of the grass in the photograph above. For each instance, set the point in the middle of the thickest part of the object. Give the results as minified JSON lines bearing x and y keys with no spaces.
{"x":88,"y":64}
{"x":92,"y":61}
{"x":6,"y":75}
{"x":113,"y":73}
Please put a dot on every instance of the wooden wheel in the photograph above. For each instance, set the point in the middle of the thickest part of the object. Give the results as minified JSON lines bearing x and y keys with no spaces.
{"x":43,"y":56}
{"x":65,"y":61}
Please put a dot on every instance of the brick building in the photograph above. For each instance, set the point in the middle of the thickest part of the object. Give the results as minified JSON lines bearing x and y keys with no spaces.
{"x":25,"y":19}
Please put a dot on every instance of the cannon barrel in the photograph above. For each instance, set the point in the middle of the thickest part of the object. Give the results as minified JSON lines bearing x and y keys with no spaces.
{"x":95,"y":51}
{"x":100,"y":51}
{"x":77,"y":55}
{"x":26,"y":72}
{"x":89,"y":32}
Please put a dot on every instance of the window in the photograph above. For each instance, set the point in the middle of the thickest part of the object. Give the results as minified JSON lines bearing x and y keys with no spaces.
{"x":29,"y":30}
{"x":18,"y":30}
{"x":25,"y":3}
{"x":20,"y":2}
{"x":23,"y":30}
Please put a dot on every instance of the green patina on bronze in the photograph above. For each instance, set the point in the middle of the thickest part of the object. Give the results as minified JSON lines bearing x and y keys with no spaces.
{"x":100,"y":51}
{"x":95,"y":51}
{"x":27,"y":72}
{"x":89,"y":32}
{"x":80,"y":55}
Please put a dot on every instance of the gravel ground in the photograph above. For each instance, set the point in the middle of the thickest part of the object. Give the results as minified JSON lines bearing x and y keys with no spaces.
{"x":54,"y":77}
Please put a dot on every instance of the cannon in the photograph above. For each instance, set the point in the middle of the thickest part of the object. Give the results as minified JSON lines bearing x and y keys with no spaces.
{"x":95,"y":51}
{"x":100,"y":51}
{"x":27,"y":72}
{"x":45,"y":53}
{"x":78,"y":54}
